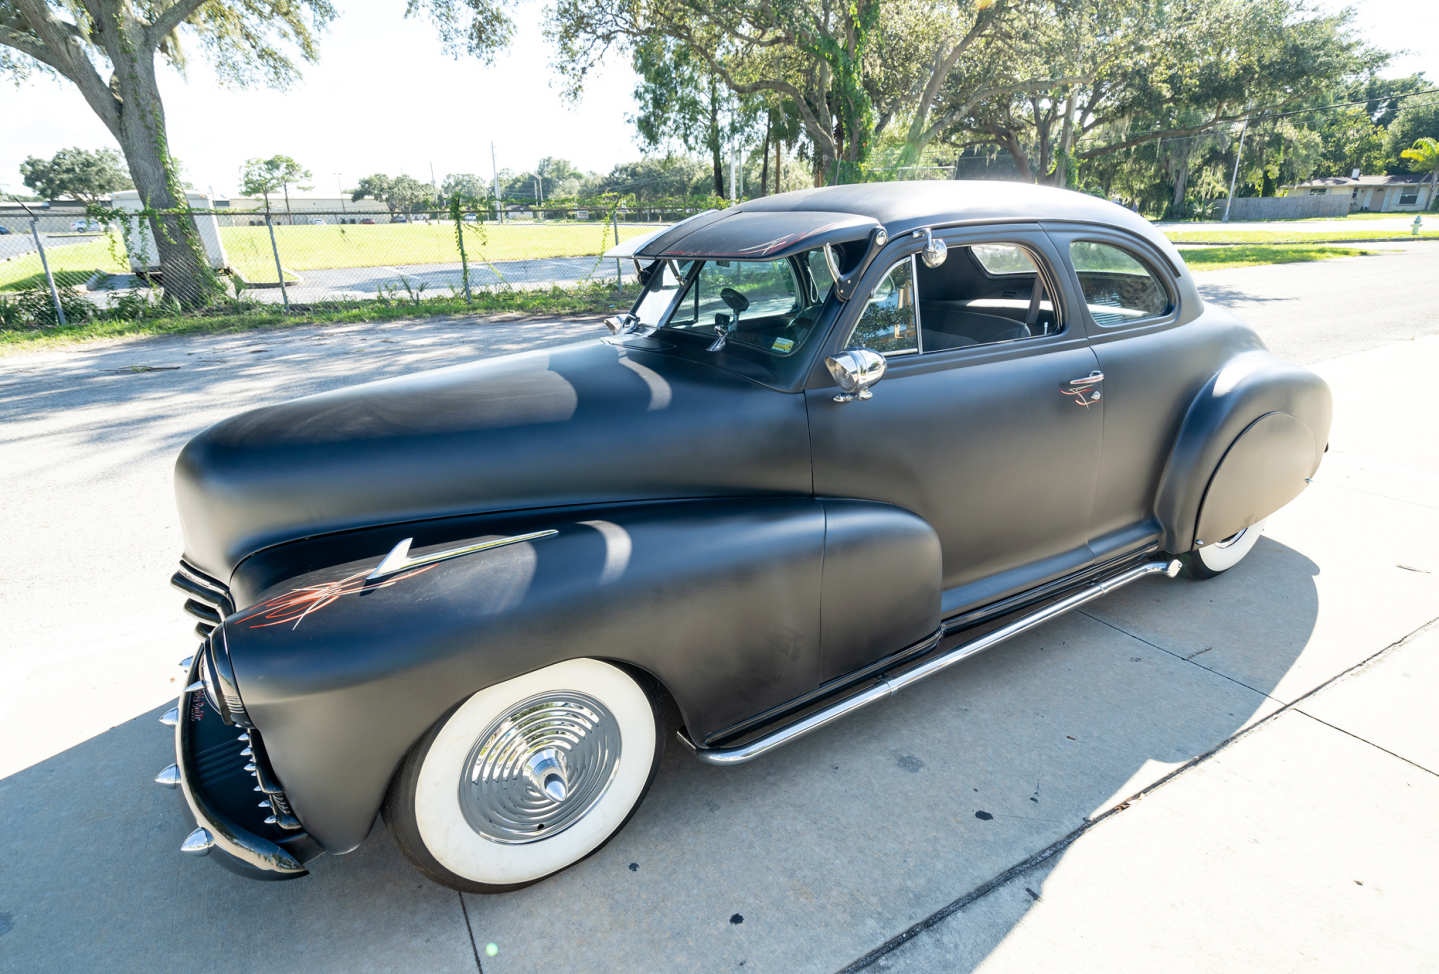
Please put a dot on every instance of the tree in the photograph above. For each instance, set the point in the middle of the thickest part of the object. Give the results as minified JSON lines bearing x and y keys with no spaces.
{"x":407,"y":194}
{"x":822,"y":60}
{"x":1423,"y":156}
{"x":86,"y":175}
{"x":108,"y":50}
{"x":400,"y":194}
{"x":466,"y":187}
{"x":682,"y":100}
{"x":649,"y":180}
{"x":1417,"y":119}
{"x":377,"y":187}
{"x":1134,"y":72}
{"x":265,"y":176}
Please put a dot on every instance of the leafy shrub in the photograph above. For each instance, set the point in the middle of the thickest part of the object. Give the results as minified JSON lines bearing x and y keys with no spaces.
{"x":33,"y":308}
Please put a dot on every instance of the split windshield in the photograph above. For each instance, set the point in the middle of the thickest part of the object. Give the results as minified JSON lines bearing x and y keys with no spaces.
{"x":764,"y":306}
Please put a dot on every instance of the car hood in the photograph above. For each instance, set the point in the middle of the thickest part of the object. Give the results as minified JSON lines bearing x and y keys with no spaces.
{"x":581,"y":424}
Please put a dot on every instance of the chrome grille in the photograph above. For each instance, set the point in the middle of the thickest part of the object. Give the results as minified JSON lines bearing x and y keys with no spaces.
{"x":209,"y":600}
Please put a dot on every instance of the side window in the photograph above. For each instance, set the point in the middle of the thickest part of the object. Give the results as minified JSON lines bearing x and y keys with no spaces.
{"x":1117,"y":287}
{"x":887,"y":323}
{"x":984,"y":294}
{"x":819,"y":271}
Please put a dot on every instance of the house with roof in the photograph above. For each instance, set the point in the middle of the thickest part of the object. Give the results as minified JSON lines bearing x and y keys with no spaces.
{"x":1374,"y":194}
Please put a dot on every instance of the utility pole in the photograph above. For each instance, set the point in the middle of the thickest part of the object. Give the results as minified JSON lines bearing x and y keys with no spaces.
{"x":733,"y":172}
{"x":495,"y":171}
{"x":1235,"y":176}
{"x":340,"y":188}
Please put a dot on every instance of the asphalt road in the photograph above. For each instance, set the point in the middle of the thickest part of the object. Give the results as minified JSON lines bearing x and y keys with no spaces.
{"x":990,"y":817}
{"x":17,"y":243}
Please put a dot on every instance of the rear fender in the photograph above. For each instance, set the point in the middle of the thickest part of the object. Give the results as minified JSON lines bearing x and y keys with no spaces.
{"x":1249,"y":443}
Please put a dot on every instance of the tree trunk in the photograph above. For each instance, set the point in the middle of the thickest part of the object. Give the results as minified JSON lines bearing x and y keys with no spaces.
{"x":716,"y":163}
{"x":289,"y":216}
{"x":778,"y":169}
{"x":764,"y":158}
{"x":139,"y":126}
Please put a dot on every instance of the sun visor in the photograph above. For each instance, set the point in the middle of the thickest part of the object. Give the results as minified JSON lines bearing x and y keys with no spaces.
{"x":755,"y":235}
{"x":629,"y":248}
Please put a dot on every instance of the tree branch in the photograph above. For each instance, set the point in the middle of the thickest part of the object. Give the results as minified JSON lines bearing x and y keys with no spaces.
{"x":169,"y":19}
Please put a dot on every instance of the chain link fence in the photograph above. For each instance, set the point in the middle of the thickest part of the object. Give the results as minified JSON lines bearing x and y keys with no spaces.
{"x":61,"y":268}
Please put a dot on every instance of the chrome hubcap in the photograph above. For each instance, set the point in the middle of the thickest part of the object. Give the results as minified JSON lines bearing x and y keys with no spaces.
{"x":1227,"y":542}
{"x":540,"y":767}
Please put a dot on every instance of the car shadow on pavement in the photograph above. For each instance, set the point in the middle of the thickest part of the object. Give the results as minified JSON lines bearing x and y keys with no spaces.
{"x":808,"y":859}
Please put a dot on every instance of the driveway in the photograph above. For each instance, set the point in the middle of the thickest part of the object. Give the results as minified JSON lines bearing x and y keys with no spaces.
{"x":1231,"y":774}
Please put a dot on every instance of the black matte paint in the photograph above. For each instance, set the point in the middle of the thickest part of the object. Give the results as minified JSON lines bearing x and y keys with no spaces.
{"x":723,"y":524}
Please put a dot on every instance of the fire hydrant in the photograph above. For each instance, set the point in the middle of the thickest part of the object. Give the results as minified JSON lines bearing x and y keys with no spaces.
{"x":1414,"y":228}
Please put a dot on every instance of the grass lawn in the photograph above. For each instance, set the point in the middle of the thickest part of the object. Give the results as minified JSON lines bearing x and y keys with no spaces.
{"x":1251,"y":255}
{"x":384,"y":244}
{"x":1295,"y":236}
{"x":305,"y":248}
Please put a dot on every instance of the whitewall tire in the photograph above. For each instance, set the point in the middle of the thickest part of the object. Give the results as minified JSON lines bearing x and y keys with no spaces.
{"x":1217,"y":557}
{"x":527,"y":777}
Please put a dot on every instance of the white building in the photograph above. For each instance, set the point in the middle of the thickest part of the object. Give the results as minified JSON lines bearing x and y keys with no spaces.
{"x":1375,"y":194}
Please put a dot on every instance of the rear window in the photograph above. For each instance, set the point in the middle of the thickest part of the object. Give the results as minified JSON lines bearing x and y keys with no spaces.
{"x":1117,"y":286}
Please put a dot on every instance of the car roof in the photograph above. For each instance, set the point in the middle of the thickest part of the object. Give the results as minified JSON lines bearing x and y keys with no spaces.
{"x":812,"y":217}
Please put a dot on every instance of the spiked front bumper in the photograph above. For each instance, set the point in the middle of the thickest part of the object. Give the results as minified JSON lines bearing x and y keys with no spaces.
{"x":223,"y":773}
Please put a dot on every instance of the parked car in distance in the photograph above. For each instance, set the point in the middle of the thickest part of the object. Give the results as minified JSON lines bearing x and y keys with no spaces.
{"x":844,"y":439}
{"x":86,"y":226}
{"x":367,"y":220}
{"x":4,"y":231}
{"x":316,"y":221}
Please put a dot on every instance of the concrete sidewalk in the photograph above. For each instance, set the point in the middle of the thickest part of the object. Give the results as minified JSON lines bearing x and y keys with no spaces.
{"x":1196,"y":776}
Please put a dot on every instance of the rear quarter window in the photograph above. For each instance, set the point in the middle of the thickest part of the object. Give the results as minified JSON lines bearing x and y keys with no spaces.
{"x":1118,"y":287}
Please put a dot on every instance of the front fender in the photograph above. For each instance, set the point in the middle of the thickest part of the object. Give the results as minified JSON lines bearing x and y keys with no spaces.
{"x":718,"y":599}
{"x":1249,"y":442}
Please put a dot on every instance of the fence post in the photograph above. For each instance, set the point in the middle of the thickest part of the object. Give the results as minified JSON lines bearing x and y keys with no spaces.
{"x":279,"y":271}
{"x":460,"y":240}
{"x":49,"y":278}
{"x":615,"y":223}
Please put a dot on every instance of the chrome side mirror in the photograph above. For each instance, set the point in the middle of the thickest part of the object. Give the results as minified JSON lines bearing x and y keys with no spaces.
{"x":935,"y":250}
{"x":621,"y":324}
{"x":855,"y":370}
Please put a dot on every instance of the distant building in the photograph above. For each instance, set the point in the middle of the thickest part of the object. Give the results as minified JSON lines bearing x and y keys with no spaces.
{"x":1374,"y":194}
{"x":250,"y":210}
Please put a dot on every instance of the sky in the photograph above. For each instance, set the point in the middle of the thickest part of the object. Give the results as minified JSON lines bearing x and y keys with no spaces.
{"x":384,"y":98}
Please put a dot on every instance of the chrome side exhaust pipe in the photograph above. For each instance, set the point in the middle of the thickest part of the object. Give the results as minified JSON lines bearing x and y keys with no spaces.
{"x":888,"y":685}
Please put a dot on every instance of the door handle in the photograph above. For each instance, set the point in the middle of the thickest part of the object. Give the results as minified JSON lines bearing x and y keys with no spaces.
{"x":1082,"y":390}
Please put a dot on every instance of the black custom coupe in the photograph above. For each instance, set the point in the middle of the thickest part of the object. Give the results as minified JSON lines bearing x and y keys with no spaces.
{"x":845,"y":438}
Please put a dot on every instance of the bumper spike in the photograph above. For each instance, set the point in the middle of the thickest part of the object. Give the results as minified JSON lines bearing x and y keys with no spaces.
{"x":196,"y":686}
{"x":244,"y":737}
{"x":198,"y":842}
{"x":170,"y":717}
{"x":186,"y":663}
{"x":250,"y":767}
{"x":247,"y":753}
{"x":266,"y":804}
{"x":170,"y":777}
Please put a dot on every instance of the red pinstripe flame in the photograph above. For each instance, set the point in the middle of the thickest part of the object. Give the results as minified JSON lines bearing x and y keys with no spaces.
{"x":296,"y":604}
